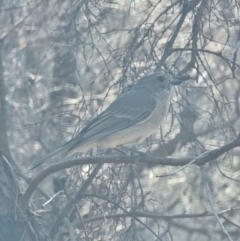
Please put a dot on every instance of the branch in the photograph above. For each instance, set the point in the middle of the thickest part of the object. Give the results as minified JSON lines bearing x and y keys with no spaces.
{"x":218,"y":54}
{"x":74,"y":201}
{"x":209,"y":196}
{"x":153,"y":216}
{"x":144,"y":159}
{"x":186,"y":8}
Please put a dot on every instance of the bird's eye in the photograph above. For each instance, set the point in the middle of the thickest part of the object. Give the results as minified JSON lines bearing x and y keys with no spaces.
{"x":160,"y":78}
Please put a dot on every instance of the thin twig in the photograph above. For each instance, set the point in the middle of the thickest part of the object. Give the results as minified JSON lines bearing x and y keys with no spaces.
{"x":181,"y":168}
{"x":71,"y":229}
{"x":74,"y":201}
{"x":204,"y":176}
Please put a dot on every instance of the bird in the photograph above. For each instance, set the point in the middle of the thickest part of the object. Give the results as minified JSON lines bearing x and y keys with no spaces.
{"x":133,"y":116}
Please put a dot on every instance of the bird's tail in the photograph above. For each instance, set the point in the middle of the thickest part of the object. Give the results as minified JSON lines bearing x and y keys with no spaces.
{"x":51,"y":154}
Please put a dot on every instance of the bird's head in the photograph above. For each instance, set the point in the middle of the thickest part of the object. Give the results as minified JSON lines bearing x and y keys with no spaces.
{"x":158,"y":82}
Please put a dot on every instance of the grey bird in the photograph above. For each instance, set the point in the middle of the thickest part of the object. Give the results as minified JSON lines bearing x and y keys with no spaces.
{"x":132,"y":117}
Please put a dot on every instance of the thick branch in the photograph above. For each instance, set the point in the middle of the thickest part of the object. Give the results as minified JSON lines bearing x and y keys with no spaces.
{"x":145,"y":159}
{"x":154,"y":216}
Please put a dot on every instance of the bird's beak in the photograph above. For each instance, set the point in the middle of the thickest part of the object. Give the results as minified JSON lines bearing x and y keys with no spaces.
{"x":179,"y":80}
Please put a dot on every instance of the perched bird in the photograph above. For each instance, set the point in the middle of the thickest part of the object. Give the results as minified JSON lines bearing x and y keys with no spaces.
{"x":132,"y":117}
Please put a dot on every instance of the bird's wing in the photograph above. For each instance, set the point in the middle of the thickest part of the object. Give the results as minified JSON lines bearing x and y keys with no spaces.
{"x":123,"y":113}
{"x":126,"y":111}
